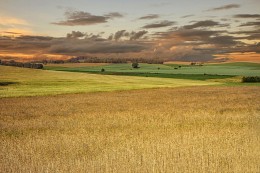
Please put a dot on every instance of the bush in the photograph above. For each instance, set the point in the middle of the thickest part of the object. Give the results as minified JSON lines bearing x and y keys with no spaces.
{"x":251,"y":79}
{"x":102,"y":70}
{"x":135,"y":65}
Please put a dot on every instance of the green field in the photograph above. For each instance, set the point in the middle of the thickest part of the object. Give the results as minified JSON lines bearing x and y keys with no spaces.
{"x":15,"y":81}
{"x":229,"y":69}
{"x":213,"y":72}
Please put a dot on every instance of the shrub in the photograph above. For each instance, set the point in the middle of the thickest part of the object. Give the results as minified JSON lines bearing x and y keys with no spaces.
{"x":135,"y":65}
{"x":251,"y":79}
{"x":102,"y":70}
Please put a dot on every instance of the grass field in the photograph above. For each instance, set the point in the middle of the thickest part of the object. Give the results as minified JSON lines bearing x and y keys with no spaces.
{"x":190,"y":129}
{"x":227,"y":69}
{"x":15,"y":81}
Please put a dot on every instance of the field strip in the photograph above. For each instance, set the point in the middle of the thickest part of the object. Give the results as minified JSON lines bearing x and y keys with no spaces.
{"x":16,"y":82}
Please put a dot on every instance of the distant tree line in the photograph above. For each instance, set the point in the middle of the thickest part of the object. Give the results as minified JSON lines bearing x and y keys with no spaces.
{"x":84,"y":59}
{"x":21,"y":64}
{"x":251,"y":79}
{"x":196,"y":63}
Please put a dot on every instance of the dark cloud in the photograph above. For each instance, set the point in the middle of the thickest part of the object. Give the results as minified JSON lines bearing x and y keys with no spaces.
{"x":246,"y":32}
{"x":250,"y":35}
{"x":76,"y":43}
{"x":257,"y":24}
{"x":25,"y":44}
{"x":205,"y":23}
{"x":161,"y":24}
{"x":247,"y":16}
{"x":93,"y":48}
{"x":75,"y":18}
{"x":149,"y":16}
{"x":34,"y":38}
{"x":119,"y":34}
{"x":137,"y":35}
{"x":225,"y":7}
{"x":76,"y":34}
{"x":128,"y":35}
{"x":198,"y":44}
{"x":94,"y":37}
{"x":223,"y":40}
{"x":82,"y":35}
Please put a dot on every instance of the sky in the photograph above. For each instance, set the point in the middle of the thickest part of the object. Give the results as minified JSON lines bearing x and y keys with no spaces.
{"x":187,"y":30}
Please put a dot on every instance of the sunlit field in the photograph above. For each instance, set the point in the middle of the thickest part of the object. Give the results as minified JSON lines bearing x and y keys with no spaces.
{"x":189,"y":129}
{"x":15,"y":81}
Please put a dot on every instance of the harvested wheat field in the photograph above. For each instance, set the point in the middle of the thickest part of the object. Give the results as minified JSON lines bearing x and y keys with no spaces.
{"x":189,"y":129}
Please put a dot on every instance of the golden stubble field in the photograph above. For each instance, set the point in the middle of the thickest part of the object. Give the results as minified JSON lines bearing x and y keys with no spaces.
{"x":192,"y":129}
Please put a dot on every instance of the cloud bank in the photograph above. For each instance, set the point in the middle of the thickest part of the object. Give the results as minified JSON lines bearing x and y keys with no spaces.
{"x":75,"y":18}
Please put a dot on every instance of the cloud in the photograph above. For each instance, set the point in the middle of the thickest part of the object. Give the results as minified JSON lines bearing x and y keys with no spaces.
{"x":114,"y":15}
{"x":247,"y":16}
{"x":75,"y":44}
{"x":11,"y":33}
{"x":82,"y":47}
{"x":149,"y":16}
{"x":76,"y":34}
{"x":197,"y":44}
{"x":257,"y":24}
{"x":250,"y":35}
{"x":246,"y":32}
{"x":225,"y":7}
{"x":186,"y":16}
{"x":25,"y":44}
{"x":205,"y":23}
{"x":127,"y":35}
{"x":137,"y":35}
{"x":34,"y":38}
{"x":161,"y":24}
{"x":119,"y":34}
{"x":74,"y":18}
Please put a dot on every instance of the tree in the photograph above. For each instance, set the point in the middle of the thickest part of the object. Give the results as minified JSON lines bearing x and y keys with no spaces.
{"x":135,"y":65}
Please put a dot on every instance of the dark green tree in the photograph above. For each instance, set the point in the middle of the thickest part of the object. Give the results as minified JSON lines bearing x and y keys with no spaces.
{"x":135,"y":65}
